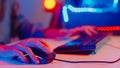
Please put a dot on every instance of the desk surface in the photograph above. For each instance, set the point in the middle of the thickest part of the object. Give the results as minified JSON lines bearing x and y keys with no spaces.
{"x":106,"y":53}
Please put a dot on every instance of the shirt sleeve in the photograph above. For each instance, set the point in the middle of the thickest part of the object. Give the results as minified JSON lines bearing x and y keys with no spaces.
{"x":26,"y":29}
{"x":23,"y":27}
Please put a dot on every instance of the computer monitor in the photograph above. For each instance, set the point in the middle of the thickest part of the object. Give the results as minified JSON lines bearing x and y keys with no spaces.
{"x":91,"y":12}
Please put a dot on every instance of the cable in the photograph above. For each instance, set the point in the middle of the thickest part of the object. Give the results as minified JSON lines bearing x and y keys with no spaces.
{"x":108,"y":62}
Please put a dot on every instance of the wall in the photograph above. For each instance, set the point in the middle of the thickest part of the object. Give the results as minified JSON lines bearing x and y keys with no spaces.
{"x":34,"y":12}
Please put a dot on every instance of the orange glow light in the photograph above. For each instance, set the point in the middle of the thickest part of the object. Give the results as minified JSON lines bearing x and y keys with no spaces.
{"x":49,"y":4}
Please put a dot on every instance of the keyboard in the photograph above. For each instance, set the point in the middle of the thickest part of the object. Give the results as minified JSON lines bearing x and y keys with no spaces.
{"x":83,"y":45}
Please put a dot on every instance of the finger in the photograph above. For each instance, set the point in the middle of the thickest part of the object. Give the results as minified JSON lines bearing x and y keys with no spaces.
{"x":92,"y":29}
{"x":44,"y":47}
{"x":41,"y":46}
{"x":36,"y":39}
{"x":88,"y":32}
{"x":27,"y":50}
{"x":43,"y":60}
{"x":45,"y":44}
{"x":38,"y":43}
{"x":20,"y":55}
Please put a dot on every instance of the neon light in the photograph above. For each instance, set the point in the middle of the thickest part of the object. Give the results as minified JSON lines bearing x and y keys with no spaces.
{"x":93,"y":10}
{"x":49,"y":4}
{"x":65,"y":14}
{"x":115,"y":3}
{"x":108,"y":28}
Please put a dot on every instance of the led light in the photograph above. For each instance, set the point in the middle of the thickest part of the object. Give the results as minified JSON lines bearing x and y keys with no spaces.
{"x":65,"y":14}
{"x":78,"y":10}
{"x":113,"y":8}
{"x":108,"y":28}
{"x":115,"y":3}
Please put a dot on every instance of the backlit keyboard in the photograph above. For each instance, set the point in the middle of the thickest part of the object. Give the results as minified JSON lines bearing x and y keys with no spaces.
{"x":83,"y":45}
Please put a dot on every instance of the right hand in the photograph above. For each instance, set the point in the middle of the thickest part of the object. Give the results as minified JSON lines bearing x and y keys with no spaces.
{"x":17,"y":49}
{"x":87,"y":29}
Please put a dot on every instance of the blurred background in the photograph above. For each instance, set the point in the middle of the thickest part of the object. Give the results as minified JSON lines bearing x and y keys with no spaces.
{"x":79,"y":12}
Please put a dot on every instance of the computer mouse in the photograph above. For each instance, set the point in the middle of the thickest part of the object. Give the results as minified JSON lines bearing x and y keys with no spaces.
{"x":42,"y":56}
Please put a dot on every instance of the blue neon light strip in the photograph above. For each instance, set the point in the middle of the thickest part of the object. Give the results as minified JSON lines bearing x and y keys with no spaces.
{"x":96,"y":10}
{"x":115,"y":3}
{"x":65,"y":14}
{"x":93,"y":10}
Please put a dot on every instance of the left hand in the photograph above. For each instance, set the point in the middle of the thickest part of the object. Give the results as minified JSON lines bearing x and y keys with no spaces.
{"x":89,"y":30}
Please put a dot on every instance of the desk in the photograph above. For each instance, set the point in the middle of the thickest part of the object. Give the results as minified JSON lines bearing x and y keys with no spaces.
{"x":106,"y":53}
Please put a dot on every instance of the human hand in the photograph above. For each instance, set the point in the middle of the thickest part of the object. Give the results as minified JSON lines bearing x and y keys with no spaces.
{"x":24,"y":46}
{"x":89,"y":30}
